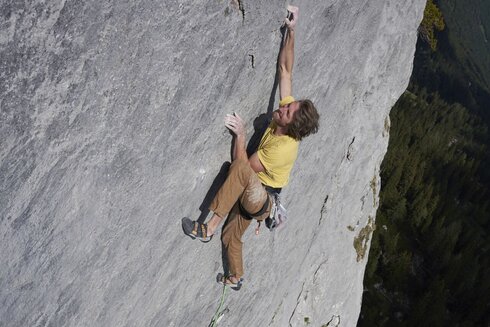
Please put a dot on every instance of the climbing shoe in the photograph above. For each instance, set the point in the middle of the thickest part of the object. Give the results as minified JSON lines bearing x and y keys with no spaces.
{"x":195,"y":229}
{"x":224,"y":280}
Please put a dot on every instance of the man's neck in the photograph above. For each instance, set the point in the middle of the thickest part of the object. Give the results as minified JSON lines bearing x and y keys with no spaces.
{"x":280,"y":131}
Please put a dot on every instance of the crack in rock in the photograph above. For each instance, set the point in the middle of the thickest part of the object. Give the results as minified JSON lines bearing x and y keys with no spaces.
{"x":302,"y":290}
{"x":317,"y":269}
{"x":297,"y":303}
{"x":324,"y":210}
{"x":252,"y":60}
{"x":275,"y":312}
{"x":242,"y":9}
{"x":333,"y":322}
{"x":350,"y":149}
{"x":240,"y":6}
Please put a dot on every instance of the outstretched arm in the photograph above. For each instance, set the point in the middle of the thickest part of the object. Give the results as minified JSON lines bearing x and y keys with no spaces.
{"x":286,"y":55}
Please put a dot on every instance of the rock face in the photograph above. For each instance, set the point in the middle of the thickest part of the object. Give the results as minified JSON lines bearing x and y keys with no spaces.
{"x":112,"y":130}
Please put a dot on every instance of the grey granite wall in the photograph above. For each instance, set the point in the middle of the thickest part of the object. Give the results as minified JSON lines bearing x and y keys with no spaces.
{"x":111,"y":130}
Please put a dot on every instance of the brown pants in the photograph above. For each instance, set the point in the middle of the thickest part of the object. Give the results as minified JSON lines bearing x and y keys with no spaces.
{"x":242,"y":184}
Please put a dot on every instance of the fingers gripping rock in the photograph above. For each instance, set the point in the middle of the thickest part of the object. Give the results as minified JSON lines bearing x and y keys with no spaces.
{"x":292,"y":19}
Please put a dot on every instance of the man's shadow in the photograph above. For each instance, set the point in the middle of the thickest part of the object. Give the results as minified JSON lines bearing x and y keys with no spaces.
{"x":260,"y":124}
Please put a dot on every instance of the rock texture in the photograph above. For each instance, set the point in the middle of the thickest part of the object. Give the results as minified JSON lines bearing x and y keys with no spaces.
{"x":111,"y":130}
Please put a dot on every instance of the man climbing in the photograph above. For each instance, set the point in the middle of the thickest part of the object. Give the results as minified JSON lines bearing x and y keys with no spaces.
{"x":245,"y":195}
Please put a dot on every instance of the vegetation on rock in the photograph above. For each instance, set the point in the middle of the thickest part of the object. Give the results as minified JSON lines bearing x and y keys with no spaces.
{"x":432,"y":20}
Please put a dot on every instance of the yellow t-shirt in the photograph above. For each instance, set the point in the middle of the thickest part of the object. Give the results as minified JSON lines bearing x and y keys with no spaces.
{"x":277,"y":154}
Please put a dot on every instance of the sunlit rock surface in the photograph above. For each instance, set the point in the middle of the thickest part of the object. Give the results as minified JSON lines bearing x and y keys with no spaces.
{"x":112,"y":130}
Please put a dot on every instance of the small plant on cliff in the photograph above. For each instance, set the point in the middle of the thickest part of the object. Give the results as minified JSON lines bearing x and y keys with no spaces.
{"x":432,"y":20}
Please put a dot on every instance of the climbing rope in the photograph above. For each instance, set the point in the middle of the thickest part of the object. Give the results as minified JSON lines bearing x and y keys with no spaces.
{"x":219,"y":313}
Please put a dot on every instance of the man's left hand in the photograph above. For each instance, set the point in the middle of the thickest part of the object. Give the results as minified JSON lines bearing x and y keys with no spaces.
{"x":235,"y":124}
{"x":291,"y":23}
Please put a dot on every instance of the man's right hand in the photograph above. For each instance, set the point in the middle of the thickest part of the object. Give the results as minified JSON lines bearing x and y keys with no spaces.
{"x":235,"y":124}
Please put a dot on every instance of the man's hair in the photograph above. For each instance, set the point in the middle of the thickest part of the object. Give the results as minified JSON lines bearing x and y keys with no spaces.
{"x":305,"y":121}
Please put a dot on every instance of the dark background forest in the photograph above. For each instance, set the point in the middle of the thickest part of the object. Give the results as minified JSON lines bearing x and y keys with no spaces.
{"x":429,"y":263}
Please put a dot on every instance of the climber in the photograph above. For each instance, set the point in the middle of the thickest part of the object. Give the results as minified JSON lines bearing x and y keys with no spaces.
{"x":245,"y":193}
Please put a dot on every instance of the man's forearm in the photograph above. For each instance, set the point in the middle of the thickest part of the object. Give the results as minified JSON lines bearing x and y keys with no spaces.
{"x":235,"y":123}
{"x":239,"y":150}
{"x":286,"y":61}
{"x":286,"y":56}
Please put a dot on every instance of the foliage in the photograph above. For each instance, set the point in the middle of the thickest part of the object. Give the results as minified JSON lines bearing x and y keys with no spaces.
{"x":432,"y":20}
{"x":468,"y":31}
{"x":431,"y":260}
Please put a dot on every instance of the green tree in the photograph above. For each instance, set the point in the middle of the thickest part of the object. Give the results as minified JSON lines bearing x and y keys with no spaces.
{"x":432,"y":20}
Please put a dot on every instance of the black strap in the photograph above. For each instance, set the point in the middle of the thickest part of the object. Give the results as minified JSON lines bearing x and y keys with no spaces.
{"x":248,"y":215}
{"x":272,"y":190}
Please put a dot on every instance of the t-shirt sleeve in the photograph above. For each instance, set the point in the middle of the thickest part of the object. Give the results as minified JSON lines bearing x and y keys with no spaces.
{"x":286,"y":100}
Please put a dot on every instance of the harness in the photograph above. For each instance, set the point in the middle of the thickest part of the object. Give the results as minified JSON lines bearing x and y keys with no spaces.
{"x":271,"y":192}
